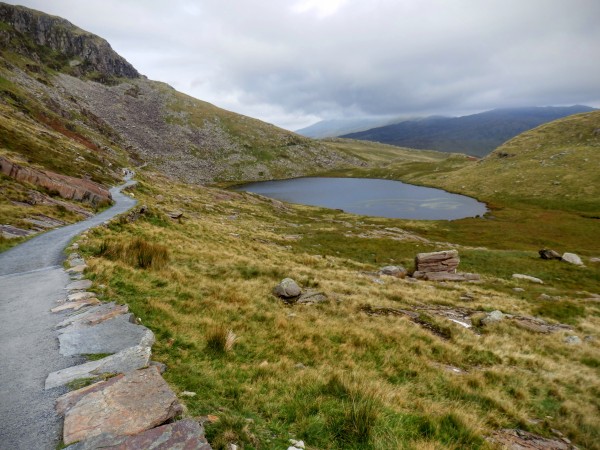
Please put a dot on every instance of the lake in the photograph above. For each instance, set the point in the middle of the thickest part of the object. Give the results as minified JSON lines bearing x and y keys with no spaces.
{"x":370,"y":197}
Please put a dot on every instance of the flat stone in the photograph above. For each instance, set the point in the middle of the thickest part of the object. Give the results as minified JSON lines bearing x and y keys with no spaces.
{"x":184,"y":434}
{"x":188,"y":394}
{"x":523,"y":440}
{"x":110,"y":336}
{"x":94,"y":315}
{"x":77,"y":269}
{"x":572,"y":258}
{"x":312,"y":297}
{"x":70,"y":399}
{"x":445,"y":276}
{"x":75,"y":262}
{"x":595,"y":260}
{"x":132,"y":358}
{"x":137,"y":402}
{"x":75,"y":306}
{"x":80,"y":296}
{"x":518,"y":289}
{"x":79,"y":285}
{"x":520,"y":276}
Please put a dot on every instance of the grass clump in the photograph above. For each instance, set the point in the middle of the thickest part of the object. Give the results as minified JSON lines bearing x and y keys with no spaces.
{"x":220,"y":340}
{"x":138,"y":253}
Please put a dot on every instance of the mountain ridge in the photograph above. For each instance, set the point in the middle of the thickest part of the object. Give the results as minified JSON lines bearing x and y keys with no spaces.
{"x":475,"y":134}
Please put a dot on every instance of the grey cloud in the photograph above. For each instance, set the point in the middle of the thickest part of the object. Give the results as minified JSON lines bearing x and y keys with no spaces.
{"x":382,"y":57}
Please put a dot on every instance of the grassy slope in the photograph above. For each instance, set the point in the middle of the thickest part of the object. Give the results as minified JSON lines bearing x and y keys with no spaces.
{"x":368,"y":382}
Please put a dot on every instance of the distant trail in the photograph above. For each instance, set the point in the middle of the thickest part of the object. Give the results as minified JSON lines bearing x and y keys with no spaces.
{"x":31,"y":280}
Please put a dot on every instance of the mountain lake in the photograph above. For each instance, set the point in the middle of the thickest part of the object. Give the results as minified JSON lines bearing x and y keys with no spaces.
{"x":370,"y":197}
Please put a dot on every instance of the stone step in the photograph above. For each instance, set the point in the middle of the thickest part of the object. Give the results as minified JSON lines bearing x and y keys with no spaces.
{"x":136,"y":402}
{"x":125,"y":361}
{"x":94,"y":315}
{"x":184,"y":434}
{"x":110,"y":336}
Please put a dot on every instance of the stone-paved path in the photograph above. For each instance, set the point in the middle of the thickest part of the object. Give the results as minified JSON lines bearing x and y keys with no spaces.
{"x":31,"y":280}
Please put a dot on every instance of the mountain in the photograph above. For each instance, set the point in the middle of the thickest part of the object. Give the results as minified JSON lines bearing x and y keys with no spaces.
{"x":61,"y":84}
{"x":476,"y":134}
{"x":555,"y":164}
{"x":334,"y":128}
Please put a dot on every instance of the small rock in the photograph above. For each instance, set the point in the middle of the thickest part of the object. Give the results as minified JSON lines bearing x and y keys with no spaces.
{"x":296,"y":444}
{"x":493,"y":317}
{"x":287,"y":289}
{"x":188,"y":394}
{"x":80,"y":296}
{"x":573,"y":340}
{"x":595,"y":260}
{"x":545,"y":297}
{"x":572,"y":258}
{"x":517,"y":289}
{"x":162,"y":368}
{"x":299,"y":366}
{"x":312,"y":297}
{"x":76,"y":262}
{"x":546,"y":253}
{"x":77,"y":269}
{"x":175,"y":214}
{"x":520,"y":276}
{"x":393,"y":271}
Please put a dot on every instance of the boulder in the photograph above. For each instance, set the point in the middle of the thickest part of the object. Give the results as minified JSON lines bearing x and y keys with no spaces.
{"x":137,"y":402}
{"x":127,"y":360}
{"x":547,"y":253}
{"x":572,"y":258}
{"x":493,"y":317}
{"x":183,"y":434}
{"x":573,"y":340}
{"x":393,"y":271}
{"x":287,"y":289}
{"x":520,"y":276}
{"x":444,"y":261}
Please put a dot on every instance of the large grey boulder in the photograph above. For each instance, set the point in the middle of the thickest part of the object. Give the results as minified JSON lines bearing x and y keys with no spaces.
{"x":127,"y":360}
{"x":110,"y":336}
{"x":287,"y":289}
{"x":137,"y":402}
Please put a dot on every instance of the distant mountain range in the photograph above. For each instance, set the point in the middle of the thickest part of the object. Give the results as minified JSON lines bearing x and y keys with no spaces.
{"x":476,"y":134}
{"x":338,"y":127}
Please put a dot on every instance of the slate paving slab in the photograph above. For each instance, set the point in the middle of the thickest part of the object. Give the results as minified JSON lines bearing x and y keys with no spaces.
{"x":137,"y":402}
{"x":184,"y":434}
{"x":79,"y":285}
{"x":94,"y":315}
{"x":110,"y":336}
{"x":125,"y":361}
{"x":76,"y":305}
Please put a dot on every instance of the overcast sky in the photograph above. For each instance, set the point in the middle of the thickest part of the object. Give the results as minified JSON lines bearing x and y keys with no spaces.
{"x":294,"y":62}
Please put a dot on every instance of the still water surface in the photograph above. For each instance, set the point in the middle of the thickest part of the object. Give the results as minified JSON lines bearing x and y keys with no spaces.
{"x":371,"y":197}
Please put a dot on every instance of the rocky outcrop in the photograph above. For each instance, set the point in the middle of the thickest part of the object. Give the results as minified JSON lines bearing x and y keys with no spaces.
{"x":440,"y":266}
{"x":88,"y":52}
{"x":67,"y":187}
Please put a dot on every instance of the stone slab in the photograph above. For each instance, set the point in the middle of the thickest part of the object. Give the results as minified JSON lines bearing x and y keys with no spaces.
{"x":520,"y":276}
{"x":75,"y":306}
{"x":182,"y":435}
{"x":80,"y":296}
{"x":79,"y":285}
{"x":127,"y":360}
{"x":94,"y":315}
{"x":70,"y":399}
{"x":139,"y":401}
{"x":110,"y":336}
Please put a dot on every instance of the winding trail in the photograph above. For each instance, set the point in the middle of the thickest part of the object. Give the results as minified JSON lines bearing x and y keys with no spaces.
{"x":31,"y":280}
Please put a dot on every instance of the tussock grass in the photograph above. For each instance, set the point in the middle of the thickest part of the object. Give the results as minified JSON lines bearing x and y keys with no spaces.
{"x":331,"y":374}
{"x":138,"y":253}
{"x":220,"y":340}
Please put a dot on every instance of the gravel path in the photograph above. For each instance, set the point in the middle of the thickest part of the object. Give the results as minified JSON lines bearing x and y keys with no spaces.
{"x":31,"y":280}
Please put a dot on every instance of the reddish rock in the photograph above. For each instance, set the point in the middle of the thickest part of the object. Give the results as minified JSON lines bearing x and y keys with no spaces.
{"x":445,"y":261}
{"x":139,"y":401}
{"x":184,"y":435}
{"x":67,"y":187}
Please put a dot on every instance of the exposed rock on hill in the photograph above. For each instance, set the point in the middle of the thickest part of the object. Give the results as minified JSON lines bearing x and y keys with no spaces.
{"x":81,"y":52}
{"x":67,"y":187}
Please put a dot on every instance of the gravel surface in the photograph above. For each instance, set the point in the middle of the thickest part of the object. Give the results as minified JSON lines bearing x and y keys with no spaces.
{"x":31,"y":280}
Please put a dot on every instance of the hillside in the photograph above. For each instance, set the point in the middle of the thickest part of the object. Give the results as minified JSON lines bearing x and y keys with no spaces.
{"x":333,"y":128}
{"x":476,"y":134}
{"x":72,"y":106}
{"x":557,"y":164}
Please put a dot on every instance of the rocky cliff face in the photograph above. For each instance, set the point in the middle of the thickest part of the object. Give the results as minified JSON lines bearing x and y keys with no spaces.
{"x":86,"y":52}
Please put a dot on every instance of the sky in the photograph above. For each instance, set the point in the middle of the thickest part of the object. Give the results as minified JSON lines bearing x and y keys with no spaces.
{"x":295,"y":62}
